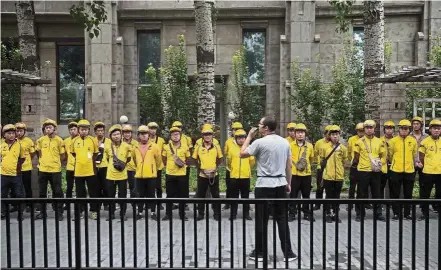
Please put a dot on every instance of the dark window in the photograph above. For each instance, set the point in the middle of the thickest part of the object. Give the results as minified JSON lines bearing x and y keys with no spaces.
{"x":149,"y":52}
{"x":254,"y":42}
{"x":358,"y":40}
{"x":70,"y":74}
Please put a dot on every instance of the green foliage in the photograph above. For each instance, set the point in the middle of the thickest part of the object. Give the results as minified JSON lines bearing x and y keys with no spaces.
{"x":149,"y":97}
{"x":11,"y":93}
{"x":344,"y":11}
{"x":248,"y":100}
{"x":435,"y":51}
{"x":308,"y":99}
{"x":90,"y":17}
{"x":387,"y":55}
{"x":417,"y":93}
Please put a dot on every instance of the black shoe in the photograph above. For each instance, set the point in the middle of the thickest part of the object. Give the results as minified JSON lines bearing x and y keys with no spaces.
{"x":106,"y":208}
{"x":166,"y":217}
{"x":66,"y":207}
{"x":290,"y":256}
{"x":334,"y":218}
{"x":395,"y":217}
{"x":139,"y":216}
{"x":248,"y":217}
{"x":357,"y":218}
{"x":111,"y":216}
{"x":256,"y":256}
{"x":226,"y":207}
{"x":175,"y":206}
{"x":153,"y":216}
{"x":308,"y":217}
{"x":233,"y":218}
{"x":13,"y":209}
{"x":186,"y":208}
{"x":291,"y":218}
{"x":329,"y":219}
{"x":60,"y":217}
{"x":123,"y":217}
{"x":317,"y":207}
{"x":380,"y":218}
{"x":216,"y":217}
{"x":184,"y":218}
{"x":201,"y":217}
{"x":408,"y":217}
{"x":40,"y":216}
{"x":422,"y":217}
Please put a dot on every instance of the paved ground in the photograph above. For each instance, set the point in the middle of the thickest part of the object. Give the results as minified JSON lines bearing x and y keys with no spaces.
{"x":233,"y":248}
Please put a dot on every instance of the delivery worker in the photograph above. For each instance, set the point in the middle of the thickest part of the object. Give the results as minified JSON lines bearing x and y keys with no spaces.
{"x":159,"y":141}
{"x":291,"y":129}
{"x":50,"y":151}
{"x":302,"y":157}
{"x":335,"y":155}
{"x":99,"y":129}
{"x":127,"y":133}
{"x":70,"y":165}
{"x":200,"y":140}
{"x":389,"y":133}
{"x":317,"y":150}
{"x":353,"y":177}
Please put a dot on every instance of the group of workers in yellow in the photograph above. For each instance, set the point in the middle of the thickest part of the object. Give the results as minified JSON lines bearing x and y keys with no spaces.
{"x":119,"y":161}
{"x":393,"y":159}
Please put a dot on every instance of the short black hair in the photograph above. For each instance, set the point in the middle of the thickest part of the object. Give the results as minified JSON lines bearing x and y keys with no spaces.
{"x":270,"y":122}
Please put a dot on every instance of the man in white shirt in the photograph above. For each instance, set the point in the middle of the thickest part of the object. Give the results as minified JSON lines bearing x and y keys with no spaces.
{"x":273,"y":161}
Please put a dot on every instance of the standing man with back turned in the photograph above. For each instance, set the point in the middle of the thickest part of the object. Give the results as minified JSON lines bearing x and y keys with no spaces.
{"x":273,"y":159}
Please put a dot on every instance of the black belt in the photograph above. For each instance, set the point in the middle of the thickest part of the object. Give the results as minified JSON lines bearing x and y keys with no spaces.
{"x":272,"y":176}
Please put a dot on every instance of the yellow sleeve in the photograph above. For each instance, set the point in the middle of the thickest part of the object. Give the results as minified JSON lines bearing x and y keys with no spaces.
{"x":187,"y":153}
{"x":164,"y":151}
{"x":31,"y":146}
{"x":129,"y":151}
{"x":252,"y":161}
{"x":71,"y":146}
{"x":345,"y":154}
{"x":422,"y":147}
{"x":219,"y":151}
{"x":38,"y":146}
{"x":158,"y":158}
{"x":95,"y":146}
{"x":22,"y":150}
{"x":312,"y":156}
{"x":106,"y":155}
{"x":415,"y":149}
{"x":61,"y":146}
{"x":357,"y":147}
{"x":195,"y":153}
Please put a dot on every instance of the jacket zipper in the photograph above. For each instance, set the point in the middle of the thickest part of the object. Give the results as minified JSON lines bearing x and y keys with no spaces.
{"x":335,"y":165}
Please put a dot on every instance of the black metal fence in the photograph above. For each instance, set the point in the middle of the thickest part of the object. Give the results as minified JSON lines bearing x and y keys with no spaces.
{"x":403,"y":242}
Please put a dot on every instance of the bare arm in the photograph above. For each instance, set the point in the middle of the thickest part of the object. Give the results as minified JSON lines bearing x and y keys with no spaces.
{"x":243,"y":150}
{"x":288,"y":172}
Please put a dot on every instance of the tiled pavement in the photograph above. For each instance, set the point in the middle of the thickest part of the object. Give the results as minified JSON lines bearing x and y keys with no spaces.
{"x":231,"y":248}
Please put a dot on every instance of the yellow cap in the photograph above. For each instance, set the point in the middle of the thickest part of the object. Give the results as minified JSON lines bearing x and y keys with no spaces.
{"x":175,"y":129}
{"x":417,"y":118}
{"x":49,"y":122}
{"x":143,"y":129}
{"x":177,"y":124}
{"x":369,"y":123}
{"x":99,"y":124}
{"x":291,"y":125}
{"x":72,"y":124}
{"x":240,"y":132}
{"x":359,"y":126}
{"x":334,"y":128}
{"x":204,"y":126}
{"x":8,"y":127}
{"x":328,"y":127}
{"x":236,"y":125}
{"x":207,"y":130}
{"x":389,"y":124}
{"x":153,"y":125}
{"x":435,"y":122}
{"x":127,"y":128}
{"x":115,"y":128}
{"x":20,"y":125}
{"x":83,"y":123}
{"x":301,"y":126}
{"x":404,"y":123}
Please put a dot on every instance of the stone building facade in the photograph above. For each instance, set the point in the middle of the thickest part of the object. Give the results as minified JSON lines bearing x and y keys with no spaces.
{"x":291,"y":29}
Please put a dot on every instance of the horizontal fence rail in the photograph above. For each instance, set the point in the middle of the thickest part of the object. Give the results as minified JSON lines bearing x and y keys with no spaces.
{"x":334,"y":237}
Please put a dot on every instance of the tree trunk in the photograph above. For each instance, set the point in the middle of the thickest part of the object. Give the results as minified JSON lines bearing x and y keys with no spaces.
{"x":205,"y":61}
{"x":27,"y":32}
{"x":373,"y":58}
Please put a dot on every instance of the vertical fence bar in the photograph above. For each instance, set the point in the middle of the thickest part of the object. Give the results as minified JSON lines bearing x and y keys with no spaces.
{"x":8,"y":235}
{"x":244,"y":241}
{"x":86,"y":231}
{"x":111,"y":210}
{"x":219,"y":235}
{"x":350,"y":235}
{"x":98,"y":237}
{"x":69,"y":234}
{"x":265,"y":235}
{"x":170,"y":232}
{"x":146,"y":235}
{"x":45,"y":236}
{"x":439,"y":234}
{"x":207,"y":240}
{"x":77,"y":226}
{"x":33,"y":237}
{"x":426,"y":238}
{"x":123,"y":241}
{"x":387,"y":235}
{"x":363,"y":214}
{"x":336,"y":233}
{"x":285,"y":224}
{"x":413,"y":235}
{"x":323,"y":237}
{"x":57,"y":236}
{"x":311,"y":239}
{"x":158,"y":206}
{"x":232,"y":236}
{"x":273,"y":211}
{"x":183,"y":237}
{"x":135,"y":250}
{"x":400,"y":238}
{"x":374,"y":257}
{"x":195,"y":232}
{"x":20,"y":233}
{"x":299,"y":234}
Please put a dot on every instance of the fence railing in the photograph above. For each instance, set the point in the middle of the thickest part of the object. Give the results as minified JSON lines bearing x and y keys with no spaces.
{"x":333,"y":240}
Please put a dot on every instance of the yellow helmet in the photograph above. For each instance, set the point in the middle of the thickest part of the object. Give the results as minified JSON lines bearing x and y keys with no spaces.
{"x":334,"y":128}
{"x":127,"y":128}
{"x":291,"y":126}
{"x":417,"y":118}
{"x":114,"y":128}
{"x":389,"y":124}
{"x":404,"y":123}
{"x":359,"y":126}
{"x":328,"y":127}
{"x":301,"y":126}
{"x":204,"y":126}
{"x":84,"y":123}
{"x":72,"y":124}
{"x":240,"y":132}
{"x":143,"y":129}
{"x":369,"y":123}
{"x":8,"y":127}
{"x":207,"y":130}
{"x":435,"y":122}
{"x":177,"y":124}
{"x":174,"y":129}
{"x":152,"y":125}
{"x":20,"y":125}
{"x":98,"y":125}
{"x":49,"y":122}
{"x":236,"y":125}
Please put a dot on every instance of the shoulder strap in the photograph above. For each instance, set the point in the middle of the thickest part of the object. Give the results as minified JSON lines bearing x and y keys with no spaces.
{"x":332,"y":152}
{"x":171,"y":148}
{"x":304,"y":151}
{"x":367,"y":148}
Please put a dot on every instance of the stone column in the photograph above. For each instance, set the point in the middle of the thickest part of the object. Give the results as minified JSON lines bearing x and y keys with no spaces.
{"x":393,"y":103}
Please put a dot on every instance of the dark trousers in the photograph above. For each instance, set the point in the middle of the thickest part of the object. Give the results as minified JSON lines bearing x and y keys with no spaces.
{"x":112,"y":185}
{"x":319,"y":192}
{"x":242,"y":187}
{"x":70,"y":181}
{"x":175,"y":187}
{"x":158,"y":185}
{"x":398,"y":181}
{"x":132,"y":186}
{"x":302,"y":184}
{"x":368,"y":180}
{"x":228,"y":184}
{"x":280,"y":209}
{"x":333,"y":191}
{"x":54,"y":179}
{"x":187,"y":183}
{"x":93,"y":188}
{"x":353,"y":180}
{"x":102,"y":179}
{"x":385,"y":178}
{"x":11,"y":184}
{"x":427,"y":182}
{"x":146,"y":189}
{"x":26,"y":178}
{"x":203,"y":185}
